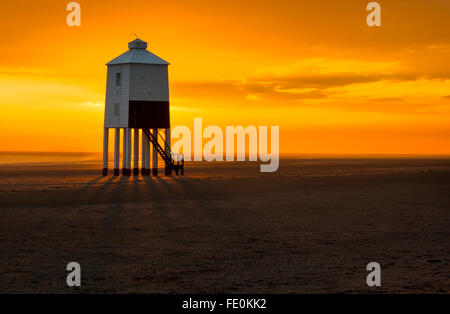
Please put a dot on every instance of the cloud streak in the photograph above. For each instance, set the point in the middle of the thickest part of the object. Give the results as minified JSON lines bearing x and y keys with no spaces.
{"x":293,"y":88}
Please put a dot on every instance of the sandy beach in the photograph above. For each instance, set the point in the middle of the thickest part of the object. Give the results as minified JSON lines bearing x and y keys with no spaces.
{"x":312,"y":227}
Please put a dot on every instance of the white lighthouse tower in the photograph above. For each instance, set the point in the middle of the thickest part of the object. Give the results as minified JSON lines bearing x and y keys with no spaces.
{"x":137,"y":101}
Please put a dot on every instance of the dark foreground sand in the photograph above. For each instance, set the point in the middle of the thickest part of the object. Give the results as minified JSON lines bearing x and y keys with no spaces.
{"x":311,"y":227}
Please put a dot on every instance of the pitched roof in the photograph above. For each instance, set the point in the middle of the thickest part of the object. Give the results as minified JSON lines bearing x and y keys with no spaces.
{"x":138,"y":54}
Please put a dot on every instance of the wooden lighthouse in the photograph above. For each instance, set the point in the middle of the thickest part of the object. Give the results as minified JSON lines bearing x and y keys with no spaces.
{"x":137,"y":105}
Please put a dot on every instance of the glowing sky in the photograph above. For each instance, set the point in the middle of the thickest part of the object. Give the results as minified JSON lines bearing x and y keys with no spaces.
{"x":314,"y":68}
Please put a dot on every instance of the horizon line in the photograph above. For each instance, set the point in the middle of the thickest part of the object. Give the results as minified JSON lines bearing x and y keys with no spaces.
{"x":281,"y":154}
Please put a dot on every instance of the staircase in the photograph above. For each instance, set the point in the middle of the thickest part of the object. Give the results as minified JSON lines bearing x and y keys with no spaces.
{"x":167,"y":157}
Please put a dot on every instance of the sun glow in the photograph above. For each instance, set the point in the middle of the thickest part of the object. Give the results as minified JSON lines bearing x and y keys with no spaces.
{"x":331,"y":83}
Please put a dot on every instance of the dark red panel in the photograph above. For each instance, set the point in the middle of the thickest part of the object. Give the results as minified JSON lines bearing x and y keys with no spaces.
{"x":149,"y":114}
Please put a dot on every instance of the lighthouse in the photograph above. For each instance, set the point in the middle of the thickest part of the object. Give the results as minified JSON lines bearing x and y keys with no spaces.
{"x":137,"y":109}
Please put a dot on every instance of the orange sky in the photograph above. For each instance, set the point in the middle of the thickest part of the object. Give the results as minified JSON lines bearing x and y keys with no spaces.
{"x":314,"y":68}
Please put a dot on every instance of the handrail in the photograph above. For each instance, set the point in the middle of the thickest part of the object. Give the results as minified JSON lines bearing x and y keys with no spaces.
{"x":165,"y":143}
{"x":170,"y":150}
{"x":177,"y":157}
{"x":172,"y":160}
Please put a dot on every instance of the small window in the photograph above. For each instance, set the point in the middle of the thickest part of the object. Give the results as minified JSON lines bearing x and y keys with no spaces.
{"x":118,"y":79}
{"x":116,"y":109}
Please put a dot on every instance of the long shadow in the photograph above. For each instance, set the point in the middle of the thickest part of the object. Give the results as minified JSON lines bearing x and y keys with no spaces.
{"x":158,"y":184}
{"x":140,"y":188}
{"x":95,"y":181}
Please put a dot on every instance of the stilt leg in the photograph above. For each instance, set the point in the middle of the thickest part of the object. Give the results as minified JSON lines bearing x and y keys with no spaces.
{"x":144,"y":154}
{"x":124,"y":152}
{"x":128,"y":164}
{"x":105,"y":151}
{"x":117,"y":153}
{"x":155,"y":155}
{"x":168,"y":168}
{"x":136,"y":153}
{"x":147,"y":156}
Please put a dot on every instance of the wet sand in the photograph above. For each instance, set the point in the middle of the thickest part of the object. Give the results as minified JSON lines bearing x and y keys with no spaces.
{"x":312,"y":227}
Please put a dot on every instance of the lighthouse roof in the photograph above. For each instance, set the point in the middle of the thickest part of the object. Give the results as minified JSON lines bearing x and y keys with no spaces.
{"x":139,"y":54}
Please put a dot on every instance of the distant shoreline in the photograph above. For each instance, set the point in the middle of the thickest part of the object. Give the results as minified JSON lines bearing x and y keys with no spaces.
{"x":16,"y":158}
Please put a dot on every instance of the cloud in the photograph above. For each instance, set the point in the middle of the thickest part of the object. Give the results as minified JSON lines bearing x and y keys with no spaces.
{"x":290,"y":88}
{"x":252,"y":90}
{"x":92,"y":103}
{"x":389,"y":99}
{"x":349,"y":85}
{"x":26,"y":71}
